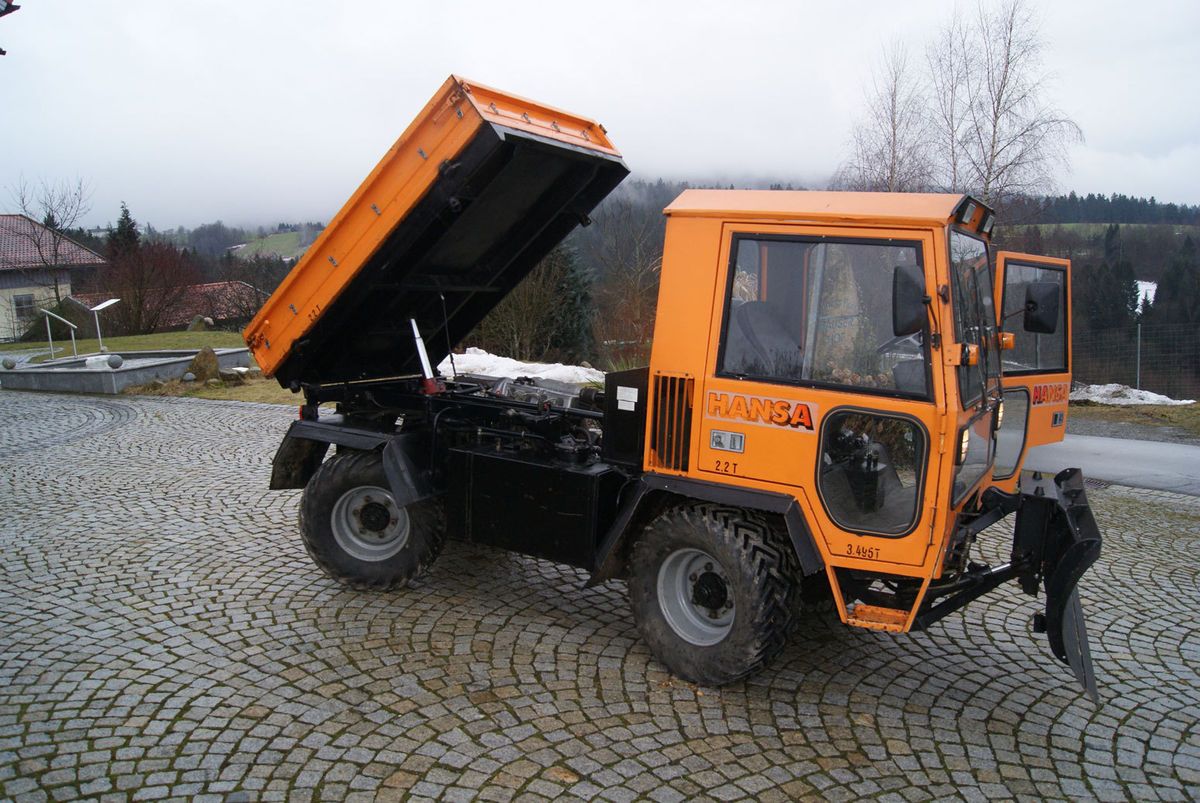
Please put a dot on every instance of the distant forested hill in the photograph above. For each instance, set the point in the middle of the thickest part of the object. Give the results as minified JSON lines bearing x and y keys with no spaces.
{"x":1092,"y":208}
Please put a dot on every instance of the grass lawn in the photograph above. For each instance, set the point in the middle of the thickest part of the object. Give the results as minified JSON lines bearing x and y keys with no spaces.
{"x":1185,"y":417}
{"x":254,"y":390}
{"x":155,"y":342}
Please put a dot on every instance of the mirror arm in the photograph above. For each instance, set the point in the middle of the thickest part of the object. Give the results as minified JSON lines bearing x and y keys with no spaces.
{"x":935,"y":336}
{"x":1021,"y":311}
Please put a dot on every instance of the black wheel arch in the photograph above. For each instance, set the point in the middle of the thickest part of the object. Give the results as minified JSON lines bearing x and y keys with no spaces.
{"x":406,"y":456}
{"x":649,"y":494}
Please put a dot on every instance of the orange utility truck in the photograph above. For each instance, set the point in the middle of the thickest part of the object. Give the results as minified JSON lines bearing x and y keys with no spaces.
{"x":840,"y":394}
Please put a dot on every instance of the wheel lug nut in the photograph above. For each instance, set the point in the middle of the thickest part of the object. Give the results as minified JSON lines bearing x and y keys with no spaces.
{"x":708,"y":567}
{"x":693,"y":577}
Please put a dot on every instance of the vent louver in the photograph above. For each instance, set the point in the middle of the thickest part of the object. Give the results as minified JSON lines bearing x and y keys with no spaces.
{"x":671,"y":430}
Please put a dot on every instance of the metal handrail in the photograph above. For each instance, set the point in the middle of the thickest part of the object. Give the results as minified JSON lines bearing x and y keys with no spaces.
{"x":50,"y":336}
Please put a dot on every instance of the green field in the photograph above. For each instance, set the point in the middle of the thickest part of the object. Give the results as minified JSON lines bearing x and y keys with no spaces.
{"x":1097,"y":229}
{"x":283,"y":244}
{"x":155,"y":342}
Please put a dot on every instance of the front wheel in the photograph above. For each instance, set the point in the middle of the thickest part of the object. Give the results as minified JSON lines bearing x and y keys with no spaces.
{"x":354,"y":530}
{"x":714,"y":591}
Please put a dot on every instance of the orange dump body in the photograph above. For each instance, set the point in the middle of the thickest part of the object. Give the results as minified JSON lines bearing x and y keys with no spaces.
{"x":479,"y":187}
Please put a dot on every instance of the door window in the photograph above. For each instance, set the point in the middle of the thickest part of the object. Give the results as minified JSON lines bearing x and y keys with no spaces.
{"x":1032,"y":351}
{"x":1010,"y":438}
{"x":819,"y":311}
{"x":871,"y":470}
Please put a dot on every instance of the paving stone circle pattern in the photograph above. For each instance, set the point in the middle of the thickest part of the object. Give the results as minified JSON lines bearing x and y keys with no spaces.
{"x":164,"y":635}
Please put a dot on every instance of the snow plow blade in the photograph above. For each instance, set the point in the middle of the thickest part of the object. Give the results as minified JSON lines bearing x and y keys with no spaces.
{"x":1056,"y":540}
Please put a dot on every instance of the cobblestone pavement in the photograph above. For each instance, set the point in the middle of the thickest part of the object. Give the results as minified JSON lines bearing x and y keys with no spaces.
{"x":163,"y":634}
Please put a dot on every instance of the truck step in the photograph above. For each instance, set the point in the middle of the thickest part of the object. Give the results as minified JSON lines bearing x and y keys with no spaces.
{"x":874,"y":617}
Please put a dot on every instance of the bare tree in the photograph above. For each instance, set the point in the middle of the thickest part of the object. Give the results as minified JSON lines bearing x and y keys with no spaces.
{"x":152,"y":282}
{"x":522,"y":325}
{"x":249,"y":282}
{"x":985,"y":127}
{"x":1014,"y":139}
{"x":950,"y":58}
{"x":889,"y":148}
{"x":628,"y":252}
{"x":57,"y":206}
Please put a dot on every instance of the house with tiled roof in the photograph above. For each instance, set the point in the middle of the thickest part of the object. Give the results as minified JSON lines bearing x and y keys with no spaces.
{"x":37,"y":265}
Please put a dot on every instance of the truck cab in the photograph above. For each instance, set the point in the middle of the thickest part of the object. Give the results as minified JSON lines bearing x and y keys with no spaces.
{"x":782,"y":318}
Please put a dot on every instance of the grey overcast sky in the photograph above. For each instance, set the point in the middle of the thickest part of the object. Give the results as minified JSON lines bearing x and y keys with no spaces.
{"x":254,"y":111}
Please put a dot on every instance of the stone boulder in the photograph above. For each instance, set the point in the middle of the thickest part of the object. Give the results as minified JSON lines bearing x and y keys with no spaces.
{"x":199,"y":324}
{"x":204,"y":365}
{"x":234,"y":376}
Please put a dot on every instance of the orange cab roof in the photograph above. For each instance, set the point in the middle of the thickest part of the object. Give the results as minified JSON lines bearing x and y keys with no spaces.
{"x":890,"y":207}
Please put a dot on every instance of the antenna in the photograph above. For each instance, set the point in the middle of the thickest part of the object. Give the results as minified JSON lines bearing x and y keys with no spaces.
{"x":446,"y":329}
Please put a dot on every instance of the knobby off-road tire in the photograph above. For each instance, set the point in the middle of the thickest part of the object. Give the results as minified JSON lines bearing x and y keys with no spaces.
{"x":679,"y":558}
{"x":353,"y":529}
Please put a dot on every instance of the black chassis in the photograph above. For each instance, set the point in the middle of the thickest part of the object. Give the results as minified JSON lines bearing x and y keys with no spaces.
{"x":485,"y":456}
{"x":530,"y":478}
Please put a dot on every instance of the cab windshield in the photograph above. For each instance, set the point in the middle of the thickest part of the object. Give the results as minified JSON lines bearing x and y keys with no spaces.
{"x":974,"y":316}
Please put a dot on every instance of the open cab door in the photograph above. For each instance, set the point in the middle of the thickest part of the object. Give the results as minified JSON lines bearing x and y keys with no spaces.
{"x":1055,"y":528}
{"x":1034,"y":295}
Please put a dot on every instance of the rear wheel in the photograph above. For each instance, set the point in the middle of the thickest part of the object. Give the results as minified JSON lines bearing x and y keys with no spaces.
{"x":714,"y":591}
{"x":354,"y":530}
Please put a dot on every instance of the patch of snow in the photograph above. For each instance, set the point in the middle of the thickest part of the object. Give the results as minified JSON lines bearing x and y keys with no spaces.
{"x":1146,"y":290}
{"x":1123,"y":394}
{"x":478,"y":361}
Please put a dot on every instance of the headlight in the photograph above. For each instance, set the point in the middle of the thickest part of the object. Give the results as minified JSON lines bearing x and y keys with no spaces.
{"x":964,"y":442}
{"x":1000,"y":414}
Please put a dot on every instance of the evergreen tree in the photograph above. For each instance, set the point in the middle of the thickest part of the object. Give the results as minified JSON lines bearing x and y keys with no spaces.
{"x":1112,"y":244}
{"x":572,"y":325}
{"x":124,"y":241}
{"x":1126,"y":288}
{"x":1177,"y":300}
{"x":546,"y":317}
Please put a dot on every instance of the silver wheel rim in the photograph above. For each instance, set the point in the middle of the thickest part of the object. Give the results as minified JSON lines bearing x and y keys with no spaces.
{"x":689,"y":583}
{"x":368,"y":525}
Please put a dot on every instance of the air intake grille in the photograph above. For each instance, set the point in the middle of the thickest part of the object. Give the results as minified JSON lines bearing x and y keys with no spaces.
{"x":670,"y":434}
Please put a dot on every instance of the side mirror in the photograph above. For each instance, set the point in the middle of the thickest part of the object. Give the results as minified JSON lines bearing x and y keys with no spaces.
{"x":1041,"y":307}
{"x":908,"y":300}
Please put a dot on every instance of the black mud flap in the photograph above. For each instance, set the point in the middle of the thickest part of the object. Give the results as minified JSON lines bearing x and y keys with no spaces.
{"x":1057,"y":537}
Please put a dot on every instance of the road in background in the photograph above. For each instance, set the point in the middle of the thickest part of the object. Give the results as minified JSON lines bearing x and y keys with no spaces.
{"x":1140,"y":464}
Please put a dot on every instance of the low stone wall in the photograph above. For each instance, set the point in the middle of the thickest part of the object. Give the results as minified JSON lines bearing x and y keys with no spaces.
{"x":71,"y":376}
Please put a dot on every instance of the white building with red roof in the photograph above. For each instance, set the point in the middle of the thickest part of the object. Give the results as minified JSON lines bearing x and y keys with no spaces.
{"x":36,"y":267}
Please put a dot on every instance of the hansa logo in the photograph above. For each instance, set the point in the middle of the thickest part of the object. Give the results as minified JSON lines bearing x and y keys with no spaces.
{"x":1051,"y":394}
{"x":761,"y":411}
